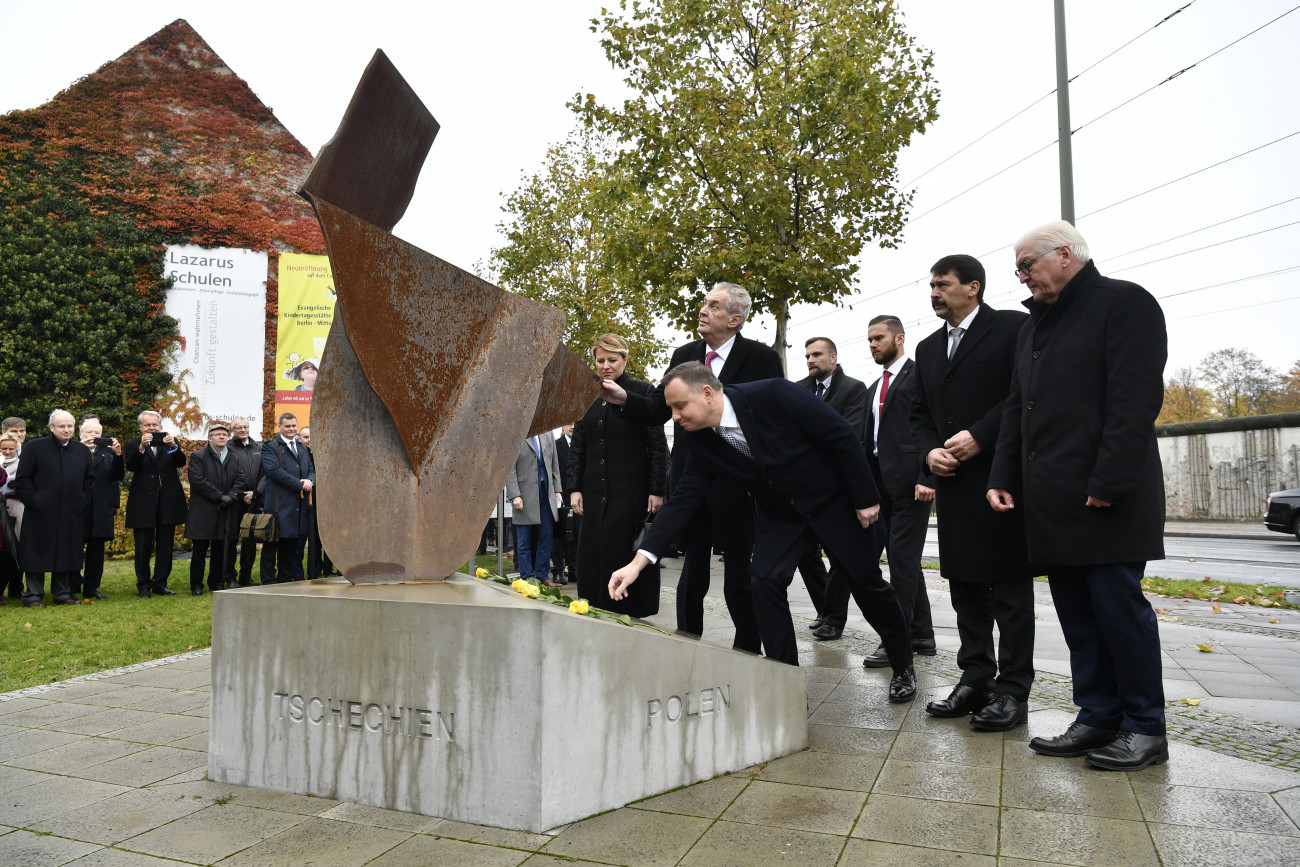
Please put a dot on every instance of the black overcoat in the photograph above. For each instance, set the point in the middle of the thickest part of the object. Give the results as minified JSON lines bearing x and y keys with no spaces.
{"x":848,"y":397}
{"x":968,"y":393}
{"x":155,"y":497}
{"x":54,"y":485}
{"x":250,"y":461}
{"x":284,"y":477}
{"x":1080,"y":422}
{"x":616,"y":464}
{"x":748,"y":361}
{"x":210,"y":479}
{"x":108,"y":471}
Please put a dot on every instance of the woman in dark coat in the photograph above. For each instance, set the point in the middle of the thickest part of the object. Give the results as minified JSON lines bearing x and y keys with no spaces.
{"x":108,"y":469}
{"x":617,"y":472}
{"x":216,"y":482}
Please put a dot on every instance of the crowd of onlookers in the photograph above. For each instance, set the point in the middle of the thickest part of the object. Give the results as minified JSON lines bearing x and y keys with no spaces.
{"x":62,"y":493}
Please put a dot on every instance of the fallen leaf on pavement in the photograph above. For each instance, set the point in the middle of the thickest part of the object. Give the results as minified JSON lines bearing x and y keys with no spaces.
{"x":1206,"y":580}
{"x":1217,"y":609}
{"x":1193,"y":701}
{"x":1240,"y":600}
{"x":1206,"y":648}
{"x":1275,"y":620}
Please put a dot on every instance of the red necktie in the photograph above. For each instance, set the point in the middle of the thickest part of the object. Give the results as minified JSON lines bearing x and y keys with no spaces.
{"x":708,"y":359}
{"x":884,"y":390}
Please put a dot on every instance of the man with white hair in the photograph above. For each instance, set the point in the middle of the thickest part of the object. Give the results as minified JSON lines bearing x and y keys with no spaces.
{"x":726,"y":518}
{"x":54,"y":487}
{"x":1077,"y":454}
{"x":155,"y":502}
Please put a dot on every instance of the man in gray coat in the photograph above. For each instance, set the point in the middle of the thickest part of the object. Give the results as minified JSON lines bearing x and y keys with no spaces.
{"x":1077,"y":454}
{"x":534,"y":488}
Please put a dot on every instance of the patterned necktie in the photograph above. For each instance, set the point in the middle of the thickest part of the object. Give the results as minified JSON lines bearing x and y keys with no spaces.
{"x":884,"y":390}
{"x":821,"y":390}
{"x":708,"y":359}
{"x":735,"y":441}
{"x":954,"y":338}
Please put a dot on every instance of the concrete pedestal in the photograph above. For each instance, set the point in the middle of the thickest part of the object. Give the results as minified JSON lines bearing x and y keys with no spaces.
{"x":451,"y":699}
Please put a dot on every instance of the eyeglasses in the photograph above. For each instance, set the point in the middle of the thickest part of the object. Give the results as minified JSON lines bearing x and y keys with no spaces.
{"x":1027,"y":264}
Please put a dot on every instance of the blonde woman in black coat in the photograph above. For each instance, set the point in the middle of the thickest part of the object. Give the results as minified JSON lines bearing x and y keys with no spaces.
{"x":617,"y":473}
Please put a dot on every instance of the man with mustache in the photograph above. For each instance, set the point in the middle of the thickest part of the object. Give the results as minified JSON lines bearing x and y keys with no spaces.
{"x":963,"y":373}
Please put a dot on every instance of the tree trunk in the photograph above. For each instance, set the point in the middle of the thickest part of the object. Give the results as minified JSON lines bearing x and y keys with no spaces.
{"x":779,"y":344}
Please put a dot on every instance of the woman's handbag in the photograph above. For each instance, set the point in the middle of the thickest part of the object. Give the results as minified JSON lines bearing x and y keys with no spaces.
{"x":259,"y":527}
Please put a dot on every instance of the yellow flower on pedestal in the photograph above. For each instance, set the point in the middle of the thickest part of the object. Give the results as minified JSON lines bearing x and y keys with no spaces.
{"x":519,"y":585}
{"x":480,"y":572}
{"x":532,"y":591}
{"x":579,"y":606}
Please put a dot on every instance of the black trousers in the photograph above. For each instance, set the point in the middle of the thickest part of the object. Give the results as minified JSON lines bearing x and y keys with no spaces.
{"x":11,"y":576}
{"x":564,"y":549}
{"x":240,"y":554}
{"x":1114,"y":643}
{"x":282,"y":560}
{"x":1009,"y":604}
{"x":60,"y":586}
{"x":216,"y":569}
{"x":737,"y":548}
{"x":92,"y":571}
{"x":147,"y":539}
{"x":782,"y":541}
{"x":906,"y":521}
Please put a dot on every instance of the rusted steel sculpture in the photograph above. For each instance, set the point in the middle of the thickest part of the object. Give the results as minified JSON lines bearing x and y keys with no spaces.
{"x":431,"y":377}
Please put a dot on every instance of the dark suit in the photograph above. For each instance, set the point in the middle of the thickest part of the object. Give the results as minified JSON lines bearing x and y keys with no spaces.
{"x":897,"y":472}
{"x":292,"y":508}
{"x":807,"y":470}
{"x":726,"y":518}
{"x":108,"y":471}
{"x":249,"y":456}
{"x":54,"y":484}
{"x":564,"y":550}
{"x":155,"y":504}
{"x":981,"y":552}
{"x":210,"y":522}
{"x":1079,"y":423}
{"x":848,"y":397}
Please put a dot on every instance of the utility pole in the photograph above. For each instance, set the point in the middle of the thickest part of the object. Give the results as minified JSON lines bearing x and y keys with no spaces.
{"x":1065,"y":155}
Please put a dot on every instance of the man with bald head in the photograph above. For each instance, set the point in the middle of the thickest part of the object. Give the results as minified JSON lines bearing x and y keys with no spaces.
{"x":54,"y":487}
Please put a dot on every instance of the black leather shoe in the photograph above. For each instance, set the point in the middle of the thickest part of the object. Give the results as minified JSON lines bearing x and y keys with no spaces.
{"x":923,"y":647}
{"x":196,"y":591}
{"x":903,"y":686}
{"x":816,"y":622}
{"x":1130,"y":751}
{"x":1077,"y":740}
{"x":163,"y":591}
{"x":68,"y":601}
{"x":1002,"y":714}
{"x":95,"y":594}
{"x":879,"y":659}
{"x":827,"y":632}
{"x":143,"y":594}
{"x":961,"y":701}
{"x":33,"y":604}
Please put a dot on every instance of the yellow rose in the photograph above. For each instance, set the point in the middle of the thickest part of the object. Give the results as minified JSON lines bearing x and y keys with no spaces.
{"x":579,"y":606}
{"x":519,"y":585}
{"x":532,"y":591}
{"x":480,"y":572}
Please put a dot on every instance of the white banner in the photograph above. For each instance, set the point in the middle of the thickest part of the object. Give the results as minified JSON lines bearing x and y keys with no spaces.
{"x":218,"y":297}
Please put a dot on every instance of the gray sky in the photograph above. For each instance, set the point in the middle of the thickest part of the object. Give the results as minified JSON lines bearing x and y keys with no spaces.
{"x":497,"y":74}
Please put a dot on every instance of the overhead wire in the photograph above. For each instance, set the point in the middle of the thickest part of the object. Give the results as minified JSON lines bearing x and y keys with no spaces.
{"x":1199,"y":249}
{"x":1236,"y":307}
{"x":1204,"y":228}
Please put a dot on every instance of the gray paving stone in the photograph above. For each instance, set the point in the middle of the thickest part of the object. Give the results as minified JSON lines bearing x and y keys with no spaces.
{"x":1180,"y":846}
{"x":488,"y":835}
{"x":164,"y":730}
{"x":104,"y":722}
{"x":1252,"y":812}
{"x":886,"y":716}
{"x":53,"y":712}
{"x":421,"y":851}
{"x":15,"y":705}
{"x":826,"y":770}
{"x":917,"y":720}
{"x":817,"y":692}
{"x":1289,"y":801}
{"x":29,"y":741}
{"x":540,"y":859}
{"x":24,"y":849}
{"x":119,"y":858}
{"x":801,"y":808}
{"x":190,"y":702}
{"x":1080,"y":840}
{"x":115,"y":819}
{"x":17,"y":778}
{"x":949,"y":747}
{"x":850,"y":741}
{"x":197,"y":741}
{"x":1073,"y":789}
{"x":930,"y":824}
{"x":10,"y":730}
{"x":77,"y":691}
{"x":127,"y":696}
{"x":823,"y":674}
{"x":871,"y":853}
{"x":76,"y":757}
{"x":707,"y":799}
{"x":939,"y":782}
{"x":1193,"y":766}
{"x":391,"y":819}
{"x":864,"y":694}
{"x":213,"y":833}
{"x":282,"y":802}
{"x":148,"y":766}
{"x":50,"y":797}
{"x":320,"y":841}
{"x":628,"y":836}
{"x":732,"y":844}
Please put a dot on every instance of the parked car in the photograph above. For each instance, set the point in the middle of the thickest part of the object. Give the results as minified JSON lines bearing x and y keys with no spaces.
{"x":1283,"y":512}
